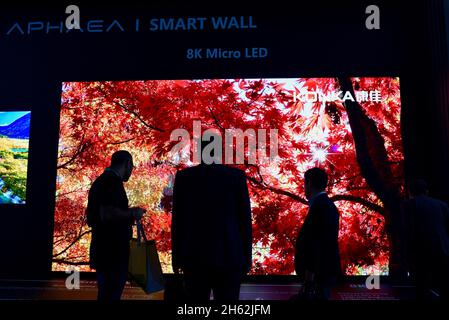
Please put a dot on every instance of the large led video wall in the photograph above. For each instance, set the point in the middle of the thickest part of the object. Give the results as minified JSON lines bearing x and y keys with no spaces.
{"x":14,"y":143}
{"x":308,"y":117}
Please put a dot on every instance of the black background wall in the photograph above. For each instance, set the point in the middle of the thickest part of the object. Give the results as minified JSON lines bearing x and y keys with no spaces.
{"x":316,"y":39}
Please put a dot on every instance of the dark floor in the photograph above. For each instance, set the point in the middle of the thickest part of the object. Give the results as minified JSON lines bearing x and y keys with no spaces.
{"x":56,"y":290}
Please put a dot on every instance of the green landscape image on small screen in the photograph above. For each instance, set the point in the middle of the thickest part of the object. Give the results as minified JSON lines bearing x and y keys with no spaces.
{"x":14,"y":142}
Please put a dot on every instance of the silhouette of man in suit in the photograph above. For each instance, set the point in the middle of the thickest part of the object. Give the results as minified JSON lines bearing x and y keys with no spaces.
{"x":111,"y":221}
{"x":317,"y":258}
{"x":427,"y":222}
{"x":211,"y":229}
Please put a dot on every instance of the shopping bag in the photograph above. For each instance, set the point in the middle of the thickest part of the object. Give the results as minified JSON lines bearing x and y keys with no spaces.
{"x":144,"y":264}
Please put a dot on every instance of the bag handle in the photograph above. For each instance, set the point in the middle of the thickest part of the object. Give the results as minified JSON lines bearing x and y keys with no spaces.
{"x":140,"y":233}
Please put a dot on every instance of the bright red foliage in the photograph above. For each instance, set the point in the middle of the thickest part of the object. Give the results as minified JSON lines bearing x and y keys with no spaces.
{"x":98,"y":118}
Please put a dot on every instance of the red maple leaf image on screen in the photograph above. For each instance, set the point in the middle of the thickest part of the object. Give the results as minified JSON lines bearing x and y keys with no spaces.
{"x":98,"y":118}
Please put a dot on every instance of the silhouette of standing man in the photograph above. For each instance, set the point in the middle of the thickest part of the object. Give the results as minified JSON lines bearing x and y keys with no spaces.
{"x":111,"y":221}
{"x":317,"y":258}
{"x":427,"y":224}
{"x":211,"y":230}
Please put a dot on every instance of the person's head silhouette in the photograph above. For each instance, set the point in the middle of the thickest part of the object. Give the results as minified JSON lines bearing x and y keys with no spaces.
{"x":418,"y":187}
{"x":315,"y":181}
{"x":122,"y":163}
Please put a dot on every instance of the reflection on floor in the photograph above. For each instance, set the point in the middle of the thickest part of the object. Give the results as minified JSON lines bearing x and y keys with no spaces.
{"x":56,"y":290}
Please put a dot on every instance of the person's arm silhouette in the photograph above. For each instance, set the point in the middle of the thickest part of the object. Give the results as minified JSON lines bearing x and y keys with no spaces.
{"x":446,"y":219}
{"x":244,"y":204}
{"x":176,"y":225}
